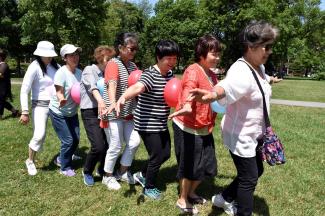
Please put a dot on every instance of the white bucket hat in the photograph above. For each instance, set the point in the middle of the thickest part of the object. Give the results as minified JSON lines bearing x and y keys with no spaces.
{"x":45,"y":49}
{"x":68,"y":49}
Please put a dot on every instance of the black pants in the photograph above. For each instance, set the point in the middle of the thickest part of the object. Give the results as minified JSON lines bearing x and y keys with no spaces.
{"x":97,"y":139}
{"x":158,"y":148}
{"x":5,"y":104}
{"x":243,"y":186}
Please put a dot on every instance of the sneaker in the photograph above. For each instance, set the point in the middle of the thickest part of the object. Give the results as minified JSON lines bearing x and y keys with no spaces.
{"x":69,"y":172}
{"x":76,"y":157}
{"x":88,"y":179}
{"x":31,"y":168}
{"x":127,"y":177}
{"x":220,"y":202}
{"x":152,"y":193}
{"x":111,"y":183}
{"x":138,"y":177}
{"x":57,"y":161}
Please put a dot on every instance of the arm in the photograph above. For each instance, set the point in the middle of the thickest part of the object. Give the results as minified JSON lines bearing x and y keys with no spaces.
{"x":60,"y":95}
{"x":90,"y":84}
{"x":205,"y":96}
{"x":100,"y":101}
{"x":130,"y":93}
{"x":274,"y":80}
{"x":24,"y":91}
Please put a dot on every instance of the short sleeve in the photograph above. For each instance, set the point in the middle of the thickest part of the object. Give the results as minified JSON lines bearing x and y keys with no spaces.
{"x":59,"y":77}
{"x":147,"y":80}
{"x":88,"y":78}
{"x":111,"y":71}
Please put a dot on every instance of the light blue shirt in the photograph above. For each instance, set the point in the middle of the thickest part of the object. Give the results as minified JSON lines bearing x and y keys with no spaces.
{"x":65,"y":78}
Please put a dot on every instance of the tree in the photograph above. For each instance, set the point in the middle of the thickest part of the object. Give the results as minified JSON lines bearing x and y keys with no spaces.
{"x":121,"y":17}
{"x":176,"y":20}
{"x":9,"y":29}
{"x":62,"y":22}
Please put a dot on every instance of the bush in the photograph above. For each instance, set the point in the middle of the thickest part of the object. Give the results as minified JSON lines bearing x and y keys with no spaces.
{"x":320,"y":76}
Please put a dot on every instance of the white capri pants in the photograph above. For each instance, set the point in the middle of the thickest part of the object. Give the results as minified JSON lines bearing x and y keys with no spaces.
{"x":119,"y":131}
{"x":40,"y":115}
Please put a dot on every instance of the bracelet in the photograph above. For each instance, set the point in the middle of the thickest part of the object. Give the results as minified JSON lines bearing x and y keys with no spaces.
{"x":25,"y":112}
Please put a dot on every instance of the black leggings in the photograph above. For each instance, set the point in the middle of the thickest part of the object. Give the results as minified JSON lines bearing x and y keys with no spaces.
{"x":158,"y":148}
{"x":5,"y":104}
{"x":242,"y":187}
{"x":97,"y":139}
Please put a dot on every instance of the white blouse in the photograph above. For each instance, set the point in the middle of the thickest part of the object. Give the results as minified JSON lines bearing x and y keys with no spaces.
{"x":243,"y":121}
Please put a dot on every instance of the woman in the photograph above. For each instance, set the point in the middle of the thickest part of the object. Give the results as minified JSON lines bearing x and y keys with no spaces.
{"x":193,"y":125}
{"x":243,"y":123}
{"x":39,"y":80}
{"x":92,"y":105}
{"x":5,"y":87}
{"x":121,"y":128}
{"x":152,"y":112}
{"x":63,"y":110}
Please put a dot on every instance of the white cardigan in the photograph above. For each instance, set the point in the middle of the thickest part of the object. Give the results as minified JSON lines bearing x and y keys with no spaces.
{"x":243,"y":121}
{"x":40,"y":85}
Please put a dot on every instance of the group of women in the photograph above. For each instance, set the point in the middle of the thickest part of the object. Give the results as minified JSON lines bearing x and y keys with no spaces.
{"x":140,"y":110}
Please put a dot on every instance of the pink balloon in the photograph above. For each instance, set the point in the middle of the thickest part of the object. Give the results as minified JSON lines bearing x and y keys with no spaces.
{"x":134,"y":77}
{"x":171,"y":92}
{"x":75,"y":92}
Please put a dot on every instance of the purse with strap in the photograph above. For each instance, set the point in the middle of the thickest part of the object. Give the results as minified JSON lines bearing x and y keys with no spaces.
{"x":271,"y":150}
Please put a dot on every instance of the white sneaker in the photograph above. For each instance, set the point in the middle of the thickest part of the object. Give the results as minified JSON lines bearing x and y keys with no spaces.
{"x":111,"y":183}
{"x":127,"y":177}
{"x":220,"y":202}
{"x":31,"y":168}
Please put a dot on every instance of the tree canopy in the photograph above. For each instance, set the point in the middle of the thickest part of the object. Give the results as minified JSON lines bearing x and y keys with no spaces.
{"x":89,"y":23}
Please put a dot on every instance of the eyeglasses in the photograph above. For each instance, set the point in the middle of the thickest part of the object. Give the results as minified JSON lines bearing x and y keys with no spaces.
{"x":132,"y":49}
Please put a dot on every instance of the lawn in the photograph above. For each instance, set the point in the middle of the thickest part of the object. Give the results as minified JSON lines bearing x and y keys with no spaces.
{"x":300,"y":90}
{"x":296,"y":188}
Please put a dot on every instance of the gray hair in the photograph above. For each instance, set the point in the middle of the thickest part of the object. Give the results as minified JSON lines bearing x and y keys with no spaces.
{"x":257,"y":33}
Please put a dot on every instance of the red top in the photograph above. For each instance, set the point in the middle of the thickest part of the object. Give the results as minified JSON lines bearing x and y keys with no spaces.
{"x":202,"y":114}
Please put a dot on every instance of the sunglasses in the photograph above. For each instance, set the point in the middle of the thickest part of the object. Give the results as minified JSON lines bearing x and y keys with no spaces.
{"x":267,"y":47}
{"x":132,"y":49}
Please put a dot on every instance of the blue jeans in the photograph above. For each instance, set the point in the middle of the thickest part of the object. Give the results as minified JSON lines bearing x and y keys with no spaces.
{"x":68,"y":131}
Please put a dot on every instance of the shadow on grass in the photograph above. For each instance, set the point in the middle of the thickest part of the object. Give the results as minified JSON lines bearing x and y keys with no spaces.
{"x":76,"y":164}
{"x":260,"y":208}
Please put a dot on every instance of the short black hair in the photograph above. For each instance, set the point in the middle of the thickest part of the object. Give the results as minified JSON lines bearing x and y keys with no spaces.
{"x":3,"y":54}
{"x":205,"y":44}
{"x":166,"y":48}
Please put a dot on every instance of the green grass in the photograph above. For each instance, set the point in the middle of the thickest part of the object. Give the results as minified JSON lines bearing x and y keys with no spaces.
{"x":296,"y":188}
{"x":301,"y":90}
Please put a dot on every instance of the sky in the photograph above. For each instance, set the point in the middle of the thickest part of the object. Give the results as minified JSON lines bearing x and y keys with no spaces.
{"x":322,"y":4}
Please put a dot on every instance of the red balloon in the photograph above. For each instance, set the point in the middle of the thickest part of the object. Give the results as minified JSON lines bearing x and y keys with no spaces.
{"x":171,"y":92}
{"x":134,"y":77}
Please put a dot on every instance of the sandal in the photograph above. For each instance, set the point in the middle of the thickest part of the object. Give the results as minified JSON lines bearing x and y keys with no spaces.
{"x":197,"y":200}
{"x":185,"y":210}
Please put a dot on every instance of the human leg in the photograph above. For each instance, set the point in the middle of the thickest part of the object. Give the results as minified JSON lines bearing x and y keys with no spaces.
{"x":248,"y":172}
{"x":132,"y":140}
{"x":115,"y":132}
{"x":67,"y":132}
{"x":40,"y":116}
{"x":97,"y":139}
{"x":158,"y":148}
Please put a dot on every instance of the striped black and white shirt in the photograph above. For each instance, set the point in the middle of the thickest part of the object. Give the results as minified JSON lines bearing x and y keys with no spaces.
{"x":121,"y":85}
{"x":151,"y":113}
